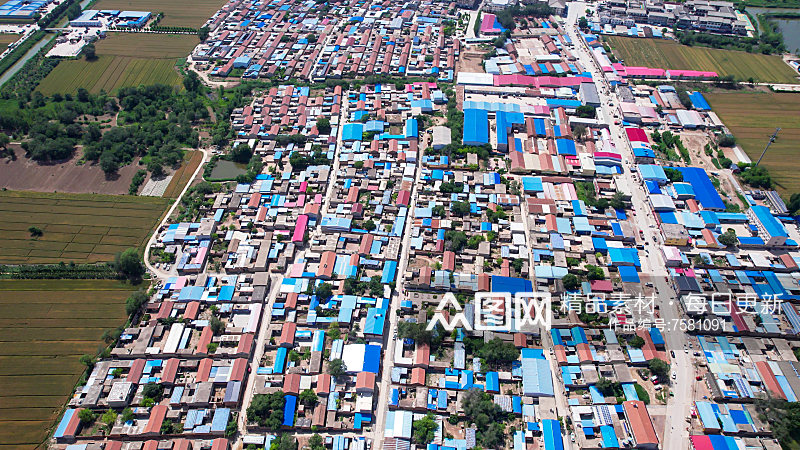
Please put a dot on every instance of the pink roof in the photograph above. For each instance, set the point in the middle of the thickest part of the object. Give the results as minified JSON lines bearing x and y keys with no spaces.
{"x":701,"y":442}
{"x":636,"y":135}
{"x":487,"y":24}
{"x":300,"y":228}
{"x":525,"y":80}
{"x":639,"y":71}
{"x":691,"y":73}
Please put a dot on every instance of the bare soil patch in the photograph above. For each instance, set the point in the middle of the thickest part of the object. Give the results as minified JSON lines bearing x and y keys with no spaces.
{"x":24,"y":174}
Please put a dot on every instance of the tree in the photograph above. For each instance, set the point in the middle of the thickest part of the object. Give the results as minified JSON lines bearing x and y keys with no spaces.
{"x":155,"y":167}
{"x":337,"y":368}
{"x":595,"y":273}
{"x":323,"y":125}
{"x":153,"y":390}
{"x":4,"y":140}
{"x":202,"y":33}
{"x":674,"y":175}
{"x":424,"y":430}
{"x":191,"y":81}
{"x":605,"y":386}
{"x":108,"y":162}
{"x":89,"y":52}
{"x":83,"y":94}
{"x":127,"y":415}
{"x":728,"y":238}
{"x":284,"y":442}
{"x":324,"y":291}
{"x":266,"y":410}
{"x":129,"y":264}
{"x":586,"y":111}
{"x":86,"y":416}
{"x":333,"y":331}
{"x":618,"y":202}
{"x":579,"y":132}
{"x":309,"y":398}
{"x":583,"y":23}
{"x":135,"y":301}
{"x":415,"y":331}
{"x":571,"y":282}
{"x":726,"y":140}
{"x":369,"y":225}
{"x":241,"y":153}
{"x":459,"y":209}
{"x":498,"y":352}
{"x":35,"y":231}
{"x":636,"y":342}
{"x":455,"y":240}
{"x":659,"y":367}
{"x":479,"y":409}
{"x":315,"y":442}
{"x":216,"y":325}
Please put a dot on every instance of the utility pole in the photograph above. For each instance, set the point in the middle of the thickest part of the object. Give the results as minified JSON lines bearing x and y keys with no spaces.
{"x":771,"y":140}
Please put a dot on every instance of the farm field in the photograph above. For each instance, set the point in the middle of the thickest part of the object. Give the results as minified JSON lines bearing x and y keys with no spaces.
{"x":7,"y":38}
{"x":81,"y":228}
{"x":178,"y":13}
{"x":125,"y":59}
{"x":46,"y":326}
{"x":181,"y":176}
{"x":752,"y":118}
{"x":663,"y":54}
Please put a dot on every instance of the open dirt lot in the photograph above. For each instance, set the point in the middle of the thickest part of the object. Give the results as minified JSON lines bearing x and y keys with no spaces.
{"x":24,"y":174}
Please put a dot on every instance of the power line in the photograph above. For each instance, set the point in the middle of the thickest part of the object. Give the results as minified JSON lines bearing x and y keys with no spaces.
{"x":771,"y":140}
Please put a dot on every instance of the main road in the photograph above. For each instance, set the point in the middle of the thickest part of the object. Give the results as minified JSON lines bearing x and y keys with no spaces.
{"x":675,"y":433}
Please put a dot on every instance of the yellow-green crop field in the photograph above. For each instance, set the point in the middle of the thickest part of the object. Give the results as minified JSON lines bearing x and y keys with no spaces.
{"x":752,"y":118}
{"x":45,"y":327}
{"x":81,"y":228}
{"x":123,"y":59}
{"x":664,"y":54}
{"x":177,"y":13}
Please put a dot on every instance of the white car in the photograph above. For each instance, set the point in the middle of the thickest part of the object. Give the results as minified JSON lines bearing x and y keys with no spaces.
{"x":674,"y":375}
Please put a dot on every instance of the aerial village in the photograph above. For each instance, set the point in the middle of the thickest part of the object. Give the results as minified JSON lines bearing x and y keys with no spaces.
{"x":295,"y":305}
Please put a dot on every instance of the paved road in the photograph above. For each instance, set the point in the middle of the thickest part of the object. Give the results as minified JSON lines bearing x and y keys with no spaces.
{"x":158,"y":272}
{"x":389,"y":338}
{"x":653,"y":264}
{"x":266,"y":317}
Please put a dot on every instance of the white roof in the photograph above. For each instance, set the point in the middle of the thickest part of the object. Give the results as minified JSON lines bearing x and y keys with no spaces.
{"x":484,"y":79}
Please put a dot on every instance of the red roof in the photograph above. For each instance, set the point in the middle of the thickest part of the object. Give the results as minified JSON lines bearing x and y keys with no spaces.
{"x":323,"y":384}
{"x":422,"y":356}
{"x":640,"y":422}
{"x":220,"y":444}
{"x":245,"y":344}
{"x":205,"y":339}
{"x":204,"y":369}
{"x":449,"y":261}
{"x":602,"y":285}
{"x":170,"y":370}
{"x":191,"y":310}
{"x":136,"y":371}
{"x":238,"y":370}
{"x":157,"y":415}
{"x":770,"y":382}
{"x":152,"y":444}
{"x":291,"y":383}
{"x":418,"y":376}
{"x":365,"y":380}
{"x":288,"y":331}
